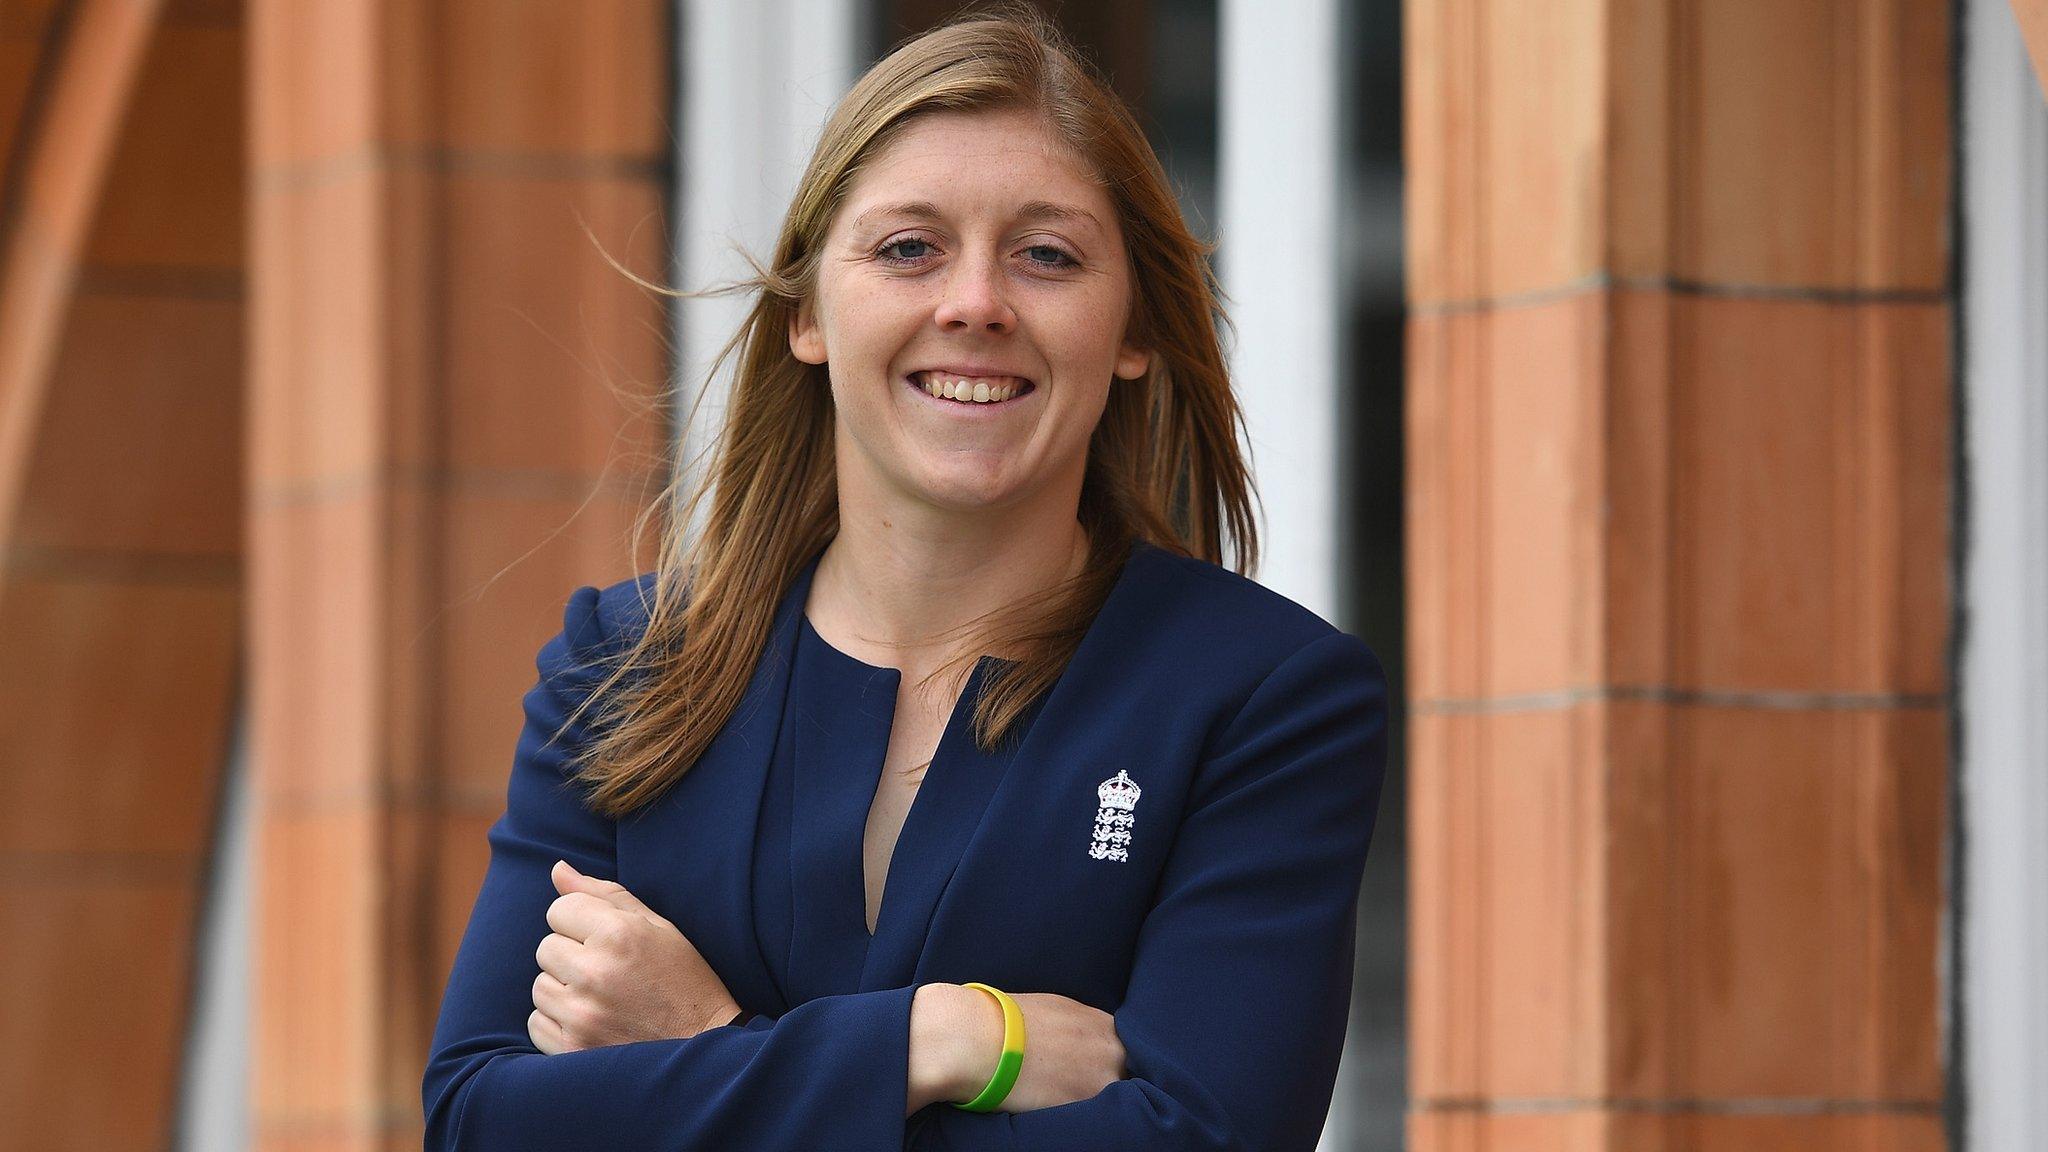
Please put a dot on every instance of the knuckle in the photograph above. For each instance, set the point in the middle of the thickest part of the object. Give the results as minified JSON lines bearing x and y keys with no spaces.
{"x":574,"y":1026}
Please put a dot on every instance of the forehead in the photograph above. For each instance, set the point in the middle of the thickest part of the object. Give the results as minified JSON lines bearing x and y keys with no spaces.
{"x":997,"y":160}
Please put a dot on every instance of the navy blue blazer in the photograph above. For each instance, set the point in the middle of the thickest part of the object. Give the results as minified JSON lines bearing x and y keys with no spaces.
{"x":1221,"y":940}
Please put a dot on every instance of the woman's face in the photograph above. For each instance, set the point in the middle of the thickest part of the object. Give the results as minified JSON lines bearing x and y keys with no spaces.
{"x":975,"y":252}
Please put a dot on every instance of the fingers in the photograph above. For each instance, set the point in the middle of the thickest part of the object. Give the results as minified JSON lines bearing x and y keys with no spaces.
{"x":545,"y":1033}
{"x":558,"y":957}
{"x":550,"y":996}
{"x":579,"y":915}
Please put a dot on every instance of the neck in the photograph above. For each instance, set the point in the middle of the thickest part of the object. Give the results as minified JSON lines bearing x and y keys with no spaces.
{"x":888,"y":588}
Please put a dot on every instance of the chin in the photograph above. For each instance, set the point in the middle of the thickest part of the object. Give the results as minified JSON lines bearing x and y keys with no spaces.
{"x":965,"y":489}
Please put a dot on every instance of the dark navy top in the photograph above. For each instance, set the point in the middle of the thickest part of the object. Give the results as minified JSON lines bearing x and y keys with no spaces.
{"x":810,"y":894}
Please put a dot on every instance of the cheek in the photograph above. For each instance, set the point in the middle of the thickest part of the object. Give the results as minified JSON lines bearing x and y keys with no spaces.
{"x":854,"y":316}
{"x":1078,"y":411}
{"x":872,"y":309}
{"x":1097,"y":402}
{"x":1093,"y":330}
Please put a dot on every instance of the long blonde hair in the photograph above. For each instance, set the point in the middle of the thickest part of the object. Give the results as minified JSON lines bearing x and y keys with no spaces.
{"x":1164,"y":463}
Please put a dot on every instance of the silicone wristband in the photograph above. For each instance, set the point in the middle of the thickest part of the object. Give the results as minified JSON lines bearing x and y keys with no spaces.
{"x":1012,"y":1060}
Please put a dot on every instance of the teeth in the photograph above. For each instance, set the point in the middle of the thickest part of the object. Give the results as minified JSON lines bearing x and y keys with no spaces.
{"x":970,"y":391}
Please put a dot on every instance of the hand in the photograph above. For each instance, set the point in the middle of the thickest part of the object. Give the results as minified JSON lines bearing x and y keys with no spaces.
{"x":613,"y":972}
{"x":1071,"y":1050}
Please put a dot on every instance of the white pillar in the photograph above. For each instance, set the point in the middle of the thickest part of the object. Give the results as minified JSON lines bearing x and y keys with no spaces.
{"x":213,"y":1086}
{"x":756,"y":83}
{"x":1280,"y":264}
{"x":2003,"y":688}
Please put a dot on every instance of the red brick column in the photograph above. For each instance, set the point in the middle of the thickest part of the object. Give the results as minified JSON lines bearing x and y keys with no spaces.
{"x":451,"y":427}
{"x":1679,"y":541}
{"x":121,"y":347}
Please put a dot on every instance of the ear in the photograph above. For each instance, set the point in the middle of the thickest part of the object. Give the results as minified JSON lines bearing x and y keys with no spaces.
{"x":806,"y":342}
{"x":1132,"y":362}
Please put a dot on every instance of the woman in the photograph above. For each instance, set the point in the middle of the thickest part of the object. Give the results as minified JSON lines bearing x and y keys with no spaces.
{"x":747,"y":894}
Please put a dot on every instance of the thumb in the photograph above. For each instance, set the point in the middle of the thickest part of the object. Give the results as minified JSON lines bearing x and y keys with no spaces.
{"x":567,"y":879}
{"x":565,"y":875}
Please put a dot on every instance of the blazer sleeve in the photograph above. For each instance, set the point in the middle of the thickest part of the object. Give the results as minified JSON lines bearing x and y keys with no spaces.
{"x":1240,"y":990}
{"x":832,"y":1072}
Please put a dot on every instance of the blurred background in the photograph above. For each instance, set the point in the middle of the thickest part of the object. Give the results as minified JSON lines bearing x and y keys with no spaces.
{"x":1660,"y":387}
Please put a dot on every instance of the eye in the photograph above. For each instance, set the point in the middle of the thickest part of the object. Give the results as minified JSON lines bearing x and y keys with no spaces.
{"x":1060,"y":257}
{"x":1045,"y":256}
{"x":882,"y":252}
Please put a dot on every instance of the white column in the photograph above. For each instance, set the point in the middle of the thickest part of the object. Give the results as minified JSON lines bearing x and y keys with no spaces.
{"x":2003,"y":690}
{"x":756,"y":83}
{"x":1279,"y":262}
{"x":213,"y":1083}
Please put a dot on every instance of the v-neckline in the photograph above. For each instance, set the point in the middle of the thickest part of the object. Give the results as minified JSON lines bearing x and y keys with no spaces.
{"x":827,"y":818}
{"x":890,"y":681}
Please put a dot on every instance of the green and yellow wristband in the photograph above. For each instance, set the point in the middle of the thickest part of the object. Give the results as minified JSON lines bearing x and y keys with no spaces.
{"x":1012,"y":1059}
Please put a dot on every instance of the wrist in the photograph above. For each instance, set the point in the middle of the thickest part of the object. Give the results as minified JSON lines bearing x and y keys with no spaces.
{"x":979,"y":1030}
{"x":928,"y":1051}
{"x":956,"y":1039}
{"x":720,"y":1017}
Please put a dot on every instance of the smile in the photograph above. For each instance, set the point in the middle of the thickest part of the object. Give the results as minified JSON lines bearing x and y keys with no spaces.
{"x":965,"y":394}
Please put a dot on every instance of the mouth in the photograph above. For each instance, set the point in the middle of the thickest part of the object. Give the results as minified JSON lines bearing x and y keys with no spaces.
{"x":970,"y":393}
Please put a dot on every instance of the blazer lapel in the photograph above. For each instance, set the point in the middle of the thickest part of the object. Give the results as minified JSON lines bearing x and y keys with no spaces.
{"x":699,"y":837}
{"x":947,"y":815}
{"x":942,"y":819}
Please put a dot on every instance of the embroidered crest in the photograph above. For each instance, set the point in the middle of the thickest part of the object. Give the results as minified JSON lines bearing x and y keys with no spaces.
{"x":1119,"y":795}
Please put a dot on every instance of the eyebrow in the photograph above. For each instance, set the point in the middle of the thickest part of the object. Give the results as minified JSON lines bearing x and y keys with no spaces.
{"x":926,"y":210}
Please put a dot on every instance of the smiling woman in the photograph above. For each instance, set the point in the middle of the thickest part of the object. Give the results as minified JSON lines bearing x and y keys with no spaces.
{"x":999,"y":284}
{"x":945,"y":790}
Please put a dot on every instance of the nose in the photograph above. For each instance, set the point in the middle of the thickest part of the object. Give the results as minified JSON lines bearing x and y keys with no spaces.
{"x":974,"y":298}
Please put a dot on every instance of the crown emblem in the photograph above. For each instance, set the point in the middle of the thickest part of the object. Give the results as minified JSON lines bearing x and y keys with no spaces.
{"x":1113,"y":820}
{"x":1119,"y":791}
